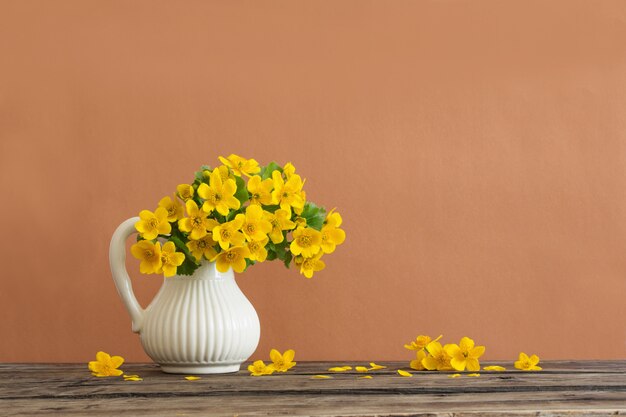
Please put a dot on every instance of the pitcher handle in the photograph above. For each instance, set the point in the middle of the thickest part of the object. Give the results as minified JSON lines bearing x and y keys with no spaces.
{"x":117,"y":259}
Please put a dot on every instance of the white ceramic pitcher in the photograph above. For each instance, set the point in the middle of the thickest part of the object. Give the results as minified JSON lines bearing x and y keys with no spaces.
{"x":198,"y":324}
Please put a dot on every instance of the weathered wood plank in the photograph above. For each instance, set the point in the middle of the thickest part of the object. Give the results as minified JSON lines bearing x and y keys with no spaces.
{"x":564,"y":388}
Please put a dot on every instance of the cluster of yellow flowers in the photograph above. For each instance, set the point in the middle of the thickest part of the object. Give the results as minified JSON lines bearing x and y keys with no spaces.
{"x":280,"y":363}
{"x":432,"y":356}
{"x":221,"y":218}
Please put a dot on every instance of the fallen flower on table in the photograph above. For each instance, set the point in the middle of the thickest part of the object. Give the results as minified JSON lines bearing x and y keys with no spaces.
{"x":437,"y":359}
{"x":473,"y":375}
{"x":494,"y":368}
{"x":374,"y":366}
{"x":284,"y":362}
{"x":192,"y":378}
{"x":421,"y":342}
{"x":404,"y":373}
{"x":465,"y":355}
{"x":361,"y":369}
{"x":339,"y":369}
{"x":365,"y":377}
{"x":526,"y":363}
{"x":259,"y":368}
{"x":321,"y":377}
{"x":106,"y":365}
{"x":133,"y":378}
{"x":454,"y":376}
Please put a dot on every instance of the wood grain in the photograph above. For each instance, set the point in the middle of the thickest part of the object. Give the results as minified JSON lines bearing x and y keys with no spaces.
{"x":564,"y":388}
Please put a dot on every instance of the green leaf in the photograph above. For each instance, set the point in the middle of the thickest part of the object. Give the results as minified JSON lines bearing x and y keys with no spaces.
{"x":287,"y":259}
{"x":188,"y":267}
{"x":314,"y":215}
{"x":242,"y":193}
{"x":271,"y":255}
{"x":271,"y":208}
{"x":266,"y":171}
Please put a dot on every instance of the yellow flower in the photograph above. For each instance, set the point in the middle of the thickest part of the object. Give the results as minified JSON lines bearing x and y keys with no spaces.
{"x":365,"y":377}
{"x":417,"y":363}
{"x":185,"y":191}
{"x":257,"y":249}
{"x":302,"y":194}
{"x":106,"y":365}
{"x":311,"y":265}
{"x":338,"y":369}
{"x":361,"y":369}
{"x":437,"y":359}
{"x":284,"y":362}
{"x":203,"y":247}
{"x":197,"y":224}
{"x":260,"y":190}
{"x":331,"y":237}
{"x":333,"y":219}
{"x":255,"y":226}
{"x":225,"y":173}
{"x":151,"y":224}
{"x":234,"y":257}
{"x":258,"y":368}
{"x":149,"y":254}
{"x":241,"y":166}
{"x":289,"y":170}
{"x":321,"y":377}
{"x":300,"y":221}
{"x":227,"y":234}
{"x":174,"y":209}
{"x":473,"y":374}
{"x":454,"y":376}
{"x":280,"y":221}
{"x":404,"y":373}
{"x":287,"y":194}
{"x":526,"y":363}
{"x":171,"y":259}
{"x":192,"y":378}
{"x":494,"y":368}
{"x":374,"y":366}
{"x":133,"y":378}
{"x":465,"y":355}
{"x":306,"y":242}
{"x":219,"y":195}
{"x":421,"y":342}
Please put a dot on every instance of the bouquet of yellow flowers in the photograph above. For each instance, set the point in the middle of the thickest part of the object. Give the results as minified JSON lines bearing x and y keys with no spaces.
{"x":222,"y":218}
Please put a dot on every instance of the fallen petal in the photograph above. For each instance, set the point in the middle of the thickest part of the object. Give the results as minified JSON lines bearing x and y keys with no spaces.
{"x":365,"y":377}
{"x":404,"y":373}
{"x":494,"y":368}
{"x":454,"y":376}
{"x":321,"y":377}
{"x":338,"y":369}
{"x":192,"y":378}
{"x":473,"y":374}
{"x":361,"y":369}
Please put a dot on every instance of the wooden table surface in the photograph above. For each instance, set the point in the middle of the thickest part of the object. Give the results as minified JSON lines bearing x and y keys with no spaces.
{"x":562,"y":388}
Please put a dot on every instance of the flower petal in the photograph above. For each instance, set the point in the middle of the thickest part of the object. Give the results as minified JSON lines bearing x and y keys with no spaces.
{"x":365,"y":377}
{"x":192,"y":378}
{"x":361,"y":369}
{"x":473,"y":374}
{"x":404,"y":373}
{"x":454,"y":376}
{"x":289,"y":355}
{"x":494,"y":368}
{"x":321,"y":377}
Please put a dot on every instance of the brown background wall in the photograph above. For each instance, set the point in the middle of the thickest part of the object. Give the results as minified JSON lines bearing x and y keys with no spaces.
{"x":476,"y":149}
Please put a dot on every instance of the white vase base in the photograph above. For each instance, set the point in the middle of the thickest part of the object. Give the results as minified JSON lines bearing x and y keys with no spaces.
{"x":200,"y":369}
